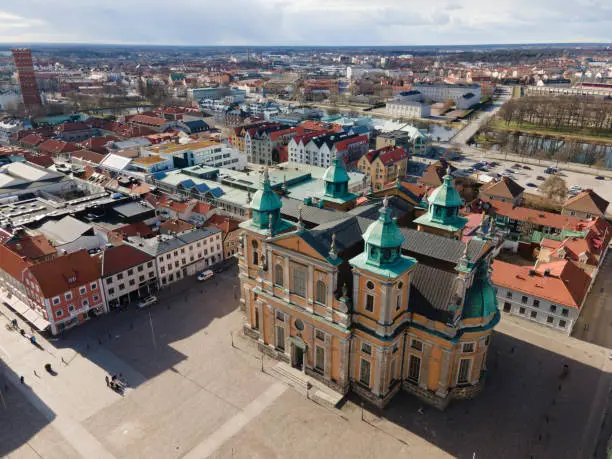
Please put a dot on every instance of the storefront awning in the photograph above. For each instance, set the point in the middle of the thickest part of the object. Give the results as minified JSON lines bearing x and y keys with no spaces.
{"x":26,"y":312}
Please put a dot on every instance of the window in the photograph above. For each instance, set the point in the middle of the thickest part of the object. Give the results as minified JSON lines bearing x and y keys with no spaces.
{"x":169,"y":267}
{"x":280,"y":316}
{"x":370,"y":285}
{"x":140,"y":268}
{"x":414,"y":368}
{"x":141,"y":279}
{"x":463,"y":374}
{"x":487,"y":340}
{"x":109,"y":280}
{"x":364,"y":372}
{"x":369,"y":303}
{"x":468,"y":347}
{"x":168,"y":256}
{"x":319,"y":358}
{"x":536,"y":303}
{"x":278,"y":275}
{"x":255,"y":253}
{"x":119,"y":276}
{"x":395,"y":348}
{"x":321,"y":292}
{"x":111,"y":291}
{"x":68,"y":296}
{"x":553,"y":308}
{"x":299,"y":280}
{"x":85,"y":302}
{"x":56,"y":300}
{"x":130,"y":272}
{"x":524,"y":299}
{"x":59,"y":313}
{"x":508,"y":294}
{"x":562,"y":323}
{"x":534,"y":314}
{"x":176,"y":264}
{"x":162,"y":269}
{"x":521,"y":310}
{"x":121,"y":286}
{"x":549,"y":319}
{"x":280,"y":338}
{"x":150,"y":264}
{"x":132,"y":282}
{"x":71,"y":307}
{"x":82,"y":290}
{"x":96,"y":298}
{"x":398,"y":302}
{"x":366,"y":348}
{"x":320,"y":335}
{"x":416,"y":345}
{"x":507,"y":307}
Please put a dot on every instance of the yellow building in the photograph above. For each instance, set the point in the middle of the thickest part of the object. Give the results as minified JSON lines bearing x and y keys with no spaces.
{"x":384,"y":165}
{"x":363,"y":305}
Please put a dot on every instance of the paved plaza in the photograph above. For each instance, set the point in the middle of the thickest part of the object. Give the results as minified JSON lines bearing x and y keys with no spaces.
{"x":193,"y":394}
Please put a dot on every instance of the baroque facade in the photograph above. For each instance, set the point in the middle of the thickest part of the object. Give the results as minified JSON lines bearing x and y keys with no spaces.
{"x":366,"y":306}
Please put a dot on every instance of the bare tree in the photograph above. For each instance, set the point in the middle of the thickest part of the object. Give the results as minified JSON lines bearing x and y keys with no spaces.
{"x":554,"y":187}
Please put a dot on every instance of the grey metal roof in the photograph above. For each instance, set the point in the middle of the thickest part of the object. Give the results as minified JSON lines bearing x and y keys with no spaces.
{"x":65,"y":230}
{"x":132,"y":209}
{"x":431,"y":292}
{"x":310,"y":214}
{"x":198,"y":234}
{"x":164,"y":243}
{"x":449,"y":250}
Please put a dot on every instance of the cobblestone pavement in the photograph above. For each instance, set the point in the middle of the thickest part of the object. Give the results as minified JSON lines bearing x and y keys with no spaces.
{"x":194,"y":394}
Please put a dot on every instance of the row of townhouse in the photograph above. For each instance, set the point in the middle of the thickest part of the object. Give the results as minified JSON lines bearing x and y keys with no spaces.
{"x":64,"y":291}
{"x":321,"y":150}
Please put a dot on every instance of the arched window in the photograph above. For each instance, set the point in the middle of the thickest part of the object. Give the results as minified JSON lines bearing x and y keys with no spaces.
{"x":278,"y":275}
{"x":255,"y":253}
{"x":321,"y":293}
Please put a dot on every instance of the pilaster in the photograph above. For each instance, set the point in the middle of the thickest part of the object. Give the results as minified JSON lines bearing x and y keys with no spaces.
{"x":425,"y":361}
{"x":445,"y":367}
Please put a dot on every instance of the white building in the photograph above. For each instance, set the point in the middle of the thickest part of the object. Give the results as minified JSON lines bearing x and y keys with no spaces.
{"x":9,"y":127}
{"x":205,"y":152}
{"x":552,"y":294}
{"x":408,"y":109}
{"x":185,"y":255}
{"x":127,"y":275}
{"x":464,"y":95}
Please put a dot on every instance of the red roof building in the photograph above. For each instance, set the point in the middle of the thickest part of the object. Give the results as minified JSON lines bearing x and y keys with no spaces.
{"x":57,"y":147}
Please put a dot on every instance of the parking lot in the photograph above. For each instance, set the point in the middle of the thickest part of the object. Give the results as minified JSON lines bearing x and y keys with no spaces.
{"x":197,"y":390}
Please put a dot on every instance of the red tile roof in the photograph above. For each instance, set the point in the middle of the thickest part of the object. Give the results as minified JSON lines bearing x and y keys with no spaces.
{"x":87,"y":155}
{"x":149,"y":120}
{"x":393,"y":156}
{"x":120,"y":258}
{"x":68,"y":127}
{"x":43,"y":160}
{"x":32,"y":139}
{"x":97,"y":144}
{"x":12,"y":263}
{"x":342,"y":145}
{"x":538,"y":217}
{"x":175,"y":226}
{"x":587,"y":201}
{"x":55,"y":147}
{"x":32,"y":247}
{"x":225,"y":224}
{"x":505,"y":187}
{"x":53,"y":276}
{"x":565,"y":285}
{"x":134,"y":229}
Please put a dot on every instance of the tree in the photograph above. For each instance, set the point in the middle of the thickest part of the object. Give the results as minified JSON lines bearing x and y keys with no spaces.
{"x":554,"y":187}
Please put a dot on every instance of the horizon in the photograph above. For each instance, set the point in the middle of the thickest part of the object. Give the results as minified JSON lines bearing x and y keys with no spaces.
{"x":306,"y":23}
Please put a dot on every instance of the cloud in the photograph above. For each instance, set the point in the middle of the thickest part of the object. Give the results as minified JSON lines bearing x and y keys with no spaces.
{"x":305,"y":22}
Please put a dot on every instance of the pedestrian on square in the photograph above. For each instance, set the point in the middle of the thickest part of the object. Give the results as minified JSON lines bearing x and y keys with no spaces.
{"x":22,"y":379}
{"x":63,"y":361}
{"x":35,"y":374}
{"x":107,"y":381}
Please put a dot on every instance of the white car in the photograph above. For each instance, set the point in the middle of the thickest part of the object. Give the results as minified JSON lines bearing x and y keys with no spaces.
{"x":205,"y":275}
{"x":148,"y":301}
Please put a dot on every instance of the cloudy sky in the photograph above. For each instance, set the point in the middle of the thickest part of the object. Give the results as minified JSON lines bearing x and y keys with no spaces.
{"x":306,"y":22}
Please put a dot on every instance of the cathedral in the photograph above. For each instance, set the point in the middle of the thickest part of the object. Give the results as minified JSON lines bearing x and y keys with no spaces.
{"x":364,"y":305}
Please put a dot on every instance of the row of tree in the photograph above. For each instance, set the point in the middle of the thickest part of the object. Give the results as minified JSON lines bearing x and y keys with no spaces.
{"x":572,"y":113}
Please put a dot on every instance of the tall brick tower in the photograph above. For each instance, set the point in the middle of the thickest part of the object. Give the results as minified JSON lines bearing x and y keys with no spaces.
{"x":27,"y":79}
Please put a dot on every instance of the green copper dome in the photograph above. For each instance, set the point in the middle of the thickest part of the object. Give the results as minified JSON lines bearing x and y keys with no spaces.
{"x":480,"y":299}
{"x":336,"y":173}
{"x":266,"y":206}
{"x":383,"y":238}
{"x":446,"y":195}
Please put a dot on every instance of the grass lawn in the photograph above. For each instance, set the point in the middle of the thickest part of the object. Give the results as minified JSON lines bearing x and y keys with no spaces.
{"x":565,"y":133}
{"x":534,"y":201}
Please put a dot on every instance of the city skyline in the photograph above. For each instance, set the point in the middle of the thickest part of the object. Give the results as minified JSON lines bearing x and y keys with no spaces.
{"x":296,"y":22}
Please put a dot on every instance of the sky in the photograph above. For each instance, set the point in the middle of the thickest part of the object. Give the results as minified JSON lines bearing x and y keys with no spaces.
{"x":305,"y":22}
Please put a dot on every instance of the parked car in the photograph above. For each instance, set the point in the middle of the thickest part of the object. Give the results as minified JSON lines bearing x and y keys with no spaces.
{"x":205,"y":275}
{"x":516,"y":165}
{"x":532,"y":185}
{"x":148,"y":301}
{"x":539,"y":177}
{"x":527,"y":167}
{"x":600,"y":177}
{"x":551,"y":170}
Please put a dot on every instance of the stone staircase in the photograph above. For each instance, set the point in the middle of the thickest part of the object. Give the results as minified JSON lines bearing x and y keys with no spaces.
{"x":306,"y":385}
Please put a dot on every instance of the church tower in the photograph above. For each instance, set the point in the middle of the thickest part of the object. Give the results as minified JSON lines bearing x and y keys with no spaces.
{"x":442,"y":217}
{"x":381,"y":286}
{"x":336,"y":180}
